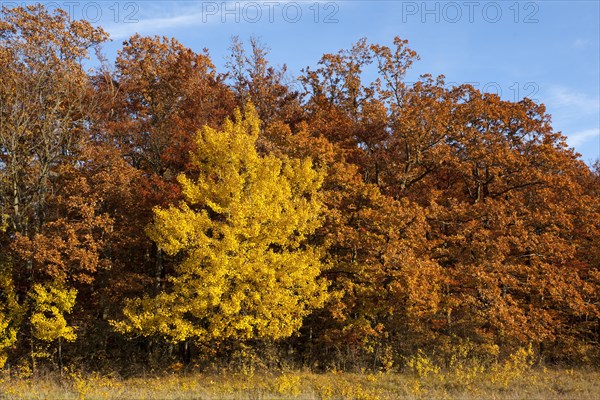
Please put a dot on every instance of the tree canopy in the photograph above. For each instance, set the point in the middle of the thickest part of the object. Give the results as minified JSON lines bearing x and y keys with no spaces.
{"x":155,"y":204}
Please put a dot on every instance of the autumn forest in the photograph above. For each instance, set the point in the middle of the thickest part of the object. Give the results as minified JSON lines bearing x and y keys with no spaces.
{"x":155,"y":210}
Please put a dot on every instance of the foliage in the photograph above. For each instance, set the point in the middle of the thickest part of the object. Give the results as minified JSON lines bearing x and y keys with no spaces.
{"x":50,"y":304}
{"x":342,"y":224}
{"x":246,"y":272}
{"x":11,"y":314}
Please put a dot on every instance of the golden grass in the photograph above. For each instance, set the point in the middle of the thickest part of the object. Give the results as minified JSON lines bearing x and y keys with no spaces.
{"x":547,"y":384}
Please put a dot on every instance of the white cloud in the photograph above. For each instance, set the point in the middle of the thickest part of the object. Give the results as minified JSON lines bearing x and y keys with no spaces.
{"x":185,"y":15}
{"x":578,"y":138}
{"x":575,"y":113}
{"x":154,"y":25}
{"x":580,"y":43}
{"x":572,"y":104}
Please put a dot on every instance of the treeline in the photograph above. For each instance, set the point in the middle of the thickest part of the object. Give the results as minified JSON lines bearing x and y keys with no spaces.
{"x":155,"y":210}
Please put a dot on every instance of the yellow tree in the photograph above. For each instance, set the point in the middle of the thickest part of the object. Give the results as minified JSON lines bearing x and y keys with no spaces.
{"x":246,"y":271}
{"x":11,"y":313}
{"x":50,"y":303}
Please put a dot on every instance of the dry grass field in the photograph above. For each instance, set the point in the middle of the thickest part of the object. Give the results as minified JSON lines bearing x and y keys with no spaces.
{"x":546,"y":384}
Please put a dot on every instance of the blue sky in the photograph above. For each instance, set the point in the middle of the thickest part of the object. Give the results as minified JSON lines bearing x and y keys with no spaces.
{"x":545,"y":50}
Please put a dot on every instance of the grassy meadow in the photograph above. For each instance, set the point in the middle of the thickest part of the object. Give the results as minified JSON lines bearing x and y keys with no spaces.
{"x":543,"y":383}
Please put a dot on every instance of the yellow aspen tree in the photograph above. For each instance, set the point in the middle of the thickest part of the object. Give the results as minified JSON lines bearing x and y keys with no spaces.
{"x":50,"y":302}
{"x":11,"y":313}
{"x":247,"y":271}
